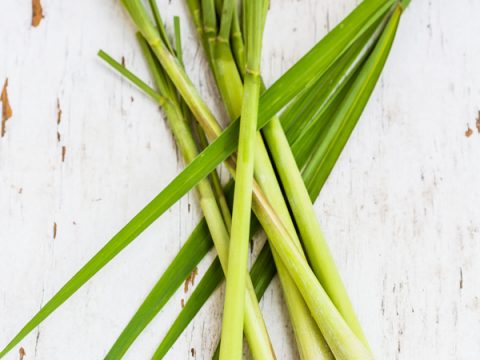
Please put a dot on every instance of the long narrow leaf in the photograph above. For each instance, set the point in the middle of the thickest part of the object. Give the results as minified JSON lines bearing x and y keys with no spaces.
{"x":335,"y":137}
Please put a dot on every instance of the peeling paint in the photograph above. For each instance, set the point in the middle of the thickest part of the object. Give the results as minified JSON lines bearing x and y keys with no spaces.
{"x":37,"y":13}
{"x":468,"y":132}
{"x":477,"y":123}
{"x":190,"y":279}
{"x":6,"y":108}
{"x":21,"y":353}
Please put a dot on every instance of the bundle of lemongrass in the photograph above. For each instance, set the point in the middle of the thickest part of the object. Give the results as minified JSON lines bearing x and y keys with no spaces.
{"x":279,"y":153}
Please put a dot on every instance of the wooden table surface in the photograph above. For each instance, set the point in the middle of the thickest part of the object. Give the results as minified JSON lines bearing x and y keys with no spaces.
{"x":401,"y":209}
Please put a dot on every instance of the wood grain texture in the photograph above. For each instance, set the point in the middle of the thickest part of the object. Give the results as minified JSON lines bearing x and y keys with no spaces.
{"x":401,"y":208}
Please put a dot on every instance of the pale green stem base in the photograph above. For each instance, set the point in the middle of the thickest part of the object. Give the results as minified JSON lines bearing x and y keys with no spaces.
{"x":314,"y":241}
{"x":232,"y":339}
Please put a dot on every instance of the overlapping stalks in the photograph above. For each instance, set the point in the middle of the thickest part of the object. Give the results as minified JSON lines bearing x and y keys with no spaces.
{"x":329,"y":88}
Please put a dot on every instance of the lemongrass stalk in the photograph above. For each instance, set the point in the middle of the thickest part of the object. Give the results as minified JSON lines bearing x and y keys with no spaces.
{"x":302,"y":183}
{"x":226,"y":70}
{"x":343,"y":343}
{"x":223,"y":64}
{"x":317,"y":249}
{"x":195,"y":9}
{"x":341,"y":340}
{"x":236,"y":38}
{"x":226,"y":17}
{"x":173,"y":68}
{"x":178,"y":39}
{"x":294,"y":185}
{"x":217,"y":188}
{"x":159,"y":23}
{"x":232,"y":330}
{"x":309,"y":340}
{"x":209,"y":23}
{"x":254,"y":326}
{"x":311,"y":344}
{"x":354,"y":103}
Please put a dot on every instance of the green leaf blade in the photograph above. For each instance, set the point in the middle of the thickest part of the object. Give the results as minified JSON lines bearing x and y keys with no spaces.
{"x":335,"y":137}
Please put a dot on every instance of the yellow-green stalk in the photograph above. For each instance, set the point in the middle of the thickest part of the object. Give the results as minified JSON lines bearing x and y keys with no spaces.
{"x":232,"y":330}
{"x":310,"y":342}
{"x":317,"y":249}
{"x":202,"y":139}
{"x":215,"y":179}
{"x":254,"y":325}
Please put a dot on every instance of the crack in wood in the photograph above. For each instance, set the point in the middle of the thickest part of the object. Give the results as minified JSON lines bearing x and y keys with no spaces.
{"x":460,"y":284}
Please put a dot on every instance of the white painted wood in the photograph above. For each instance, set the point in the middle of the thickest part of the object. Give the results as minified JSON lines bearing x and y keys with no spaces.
{"x":401,"y":209}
